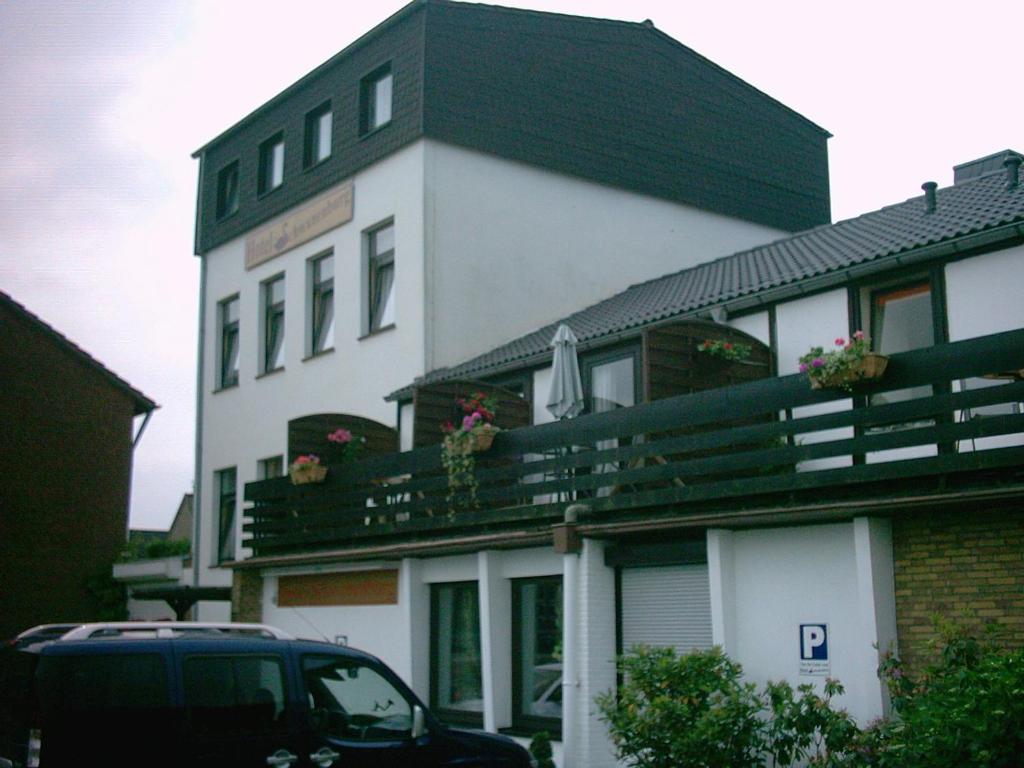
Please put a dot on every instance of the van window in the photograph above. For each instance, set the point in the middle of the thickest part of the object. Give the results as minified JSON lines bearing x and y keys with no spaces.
{"x":88,"y":701}
{"x":352,"y":701}
{"x":233,"y":694}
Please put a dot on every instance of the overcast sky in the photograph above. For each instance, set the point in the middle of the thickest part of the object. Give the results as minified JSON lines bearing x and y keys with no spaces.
{"x":103,"y":103}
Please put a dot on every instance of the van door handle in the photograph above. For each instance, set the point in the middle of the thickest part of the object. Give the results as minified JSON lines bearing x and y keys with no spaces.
{"x":324,"y":757}
{"x":282,"y":757}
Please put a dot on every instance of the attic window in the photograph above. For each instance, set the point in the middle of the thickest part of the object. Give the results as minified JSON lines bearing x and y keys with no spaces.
{"x":375,"y":96}
{"x":227,"y":190}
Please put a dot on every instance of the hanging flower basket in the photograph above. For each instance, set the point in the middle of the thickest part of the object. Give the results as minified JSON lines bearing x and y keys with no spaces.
{"x":307,"y":469}
{"x":849,"y":363}
{"x":870,"y":367}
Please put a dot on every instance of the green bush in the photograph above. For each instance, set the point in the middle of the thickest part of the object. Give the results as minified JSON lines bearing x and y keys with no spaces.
{"x":540,"y":749}
{"x":965,"y":709}
{"x":155,"y":548}
{"x":693,"y":710}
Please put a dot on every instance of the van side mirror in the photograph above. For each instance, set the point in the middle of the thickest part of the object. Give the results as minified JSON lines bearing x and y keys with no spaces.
{"x":419,"y":722}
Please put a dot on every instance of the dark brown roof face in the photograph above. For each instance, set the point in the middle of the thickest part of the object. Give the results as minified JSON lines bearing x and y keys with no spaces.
{"x":617,"y":103}
{"x":968,"y":208}
{"x":142,"y":403}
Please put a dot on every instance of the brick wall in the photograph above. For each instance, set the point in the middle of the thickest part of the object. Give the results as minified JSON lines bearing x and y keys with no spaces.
{"x":246,"y":596}
{"x":967,"y":566}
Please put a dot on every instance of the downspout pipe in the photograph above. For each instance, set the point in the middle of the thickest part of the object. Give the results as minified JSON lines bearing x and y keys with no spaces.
{"x":570,"y":646}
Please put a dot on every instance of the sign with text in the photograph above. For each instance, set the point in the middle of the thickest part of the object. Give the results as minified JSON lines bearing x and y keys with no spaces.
{"x":814,"y":659}
{"x":322,"y":214}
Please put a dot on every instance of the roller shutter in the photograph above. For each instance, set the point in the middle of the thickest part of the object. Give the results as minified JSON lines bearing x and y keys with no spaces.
{"x":667,"y":606}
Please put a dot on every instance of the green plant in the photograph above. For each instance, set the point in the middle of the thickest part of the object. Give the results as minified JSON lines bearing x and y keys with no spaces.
{"x":690,"y":710}
{"x":838,"y":366}
{"x":540,"y":749}
{"x":143,"y":549}
{"x":966,"y":708}
{"x":476,"y":429}
{"x":351,"y":445}
{"x":726,"y":350}
{"x":695,"y":710}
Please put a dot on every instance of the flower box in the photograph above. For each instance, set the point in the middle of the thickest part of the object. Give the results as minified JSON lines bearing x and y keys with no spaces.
{"x":307,"y":473}
{"x":869,"y":367}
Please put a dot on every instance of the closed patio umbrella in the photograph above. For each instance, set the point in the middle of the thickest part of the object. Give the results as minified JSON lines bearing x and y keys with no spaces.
{"x":565,"y":399}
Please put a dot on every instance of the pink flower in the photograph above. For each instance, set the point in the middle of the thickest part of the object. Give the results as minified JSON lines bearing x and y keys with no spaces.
{"x":340,"y":436}
{"x":840,"y":342}
{"x":817,"y":362}
{"x":858,"y":335}
{"x":307,"y":459}
{"x":803,"y":367}
{"x":477,"y":416}
{"x":467,"y":422}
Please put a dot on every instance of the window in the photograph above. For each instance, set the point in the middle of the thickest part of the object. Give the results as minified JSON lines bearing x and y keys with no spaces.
{"x":456,"y":689}
{"x":901,"y":320}
{"x":318,"y":135}
{"x":227,"y":190}
{"x":353,"y":701}
{"x":271,"y":164}
{"x":537,"y":653}
{"x":375,"y":100}
{"x":609,"y":382}
{"x":227,"y":318}
{"x":226,"y":483}
{"x":268,"y":469}
{"x":273,"y":324}
{"x":321,"y":303}
{"x":381,"y":277}
{"x":234,"y":694}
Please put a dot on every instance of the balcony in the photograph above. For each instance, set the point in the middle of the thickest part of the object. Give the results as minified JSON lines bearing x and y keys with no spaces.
{"x":944,"y":425}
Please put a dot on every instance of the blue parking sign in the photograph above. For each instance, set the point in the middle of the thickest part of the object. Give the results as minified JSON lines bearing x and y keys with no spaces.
{"x":814,"y":659}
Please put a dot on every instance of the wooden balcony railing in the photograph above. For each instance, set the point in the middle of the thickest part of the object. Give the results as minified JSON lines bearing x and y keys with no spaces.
{"x":774,"y":442}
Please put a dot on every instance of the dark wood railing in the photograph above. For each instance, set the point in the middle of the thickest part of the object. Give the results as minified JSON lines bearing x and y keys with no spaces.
{"x":773,"y":441}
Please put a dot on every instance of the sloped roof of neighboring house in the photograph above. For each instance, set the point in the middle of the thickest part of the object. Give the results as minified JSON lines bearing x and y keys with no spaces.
{"x":967,"y":214}
{"x":142,"y":403}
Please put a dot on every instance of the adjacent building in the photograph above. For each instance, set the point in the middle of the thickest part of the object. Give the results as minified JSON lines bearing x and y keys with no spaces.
{"x":68,"y":440}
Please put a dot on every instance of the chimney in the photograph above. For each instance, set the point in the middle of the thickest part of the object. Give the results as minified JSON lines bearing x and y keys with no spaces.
{"x":929,"y":196}
{"x":983,"y":166}
{"x":1012,"y":165}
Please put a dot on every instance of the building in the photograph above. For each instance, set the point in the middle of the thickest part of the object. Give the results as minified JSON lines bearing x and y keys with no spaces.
{"x":68,"y":440}
{"x":803,"y":530}
{"x":456,"y":177}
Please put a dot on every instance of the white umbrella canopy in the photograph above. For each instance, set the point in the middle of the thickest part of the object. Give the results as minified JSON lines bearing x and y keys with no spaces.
{"x":565,"y":399}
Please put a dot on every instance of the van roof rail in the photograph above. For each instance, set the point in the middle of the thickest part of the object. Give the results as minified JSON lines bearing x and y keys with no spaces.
{"x":169,"y":629}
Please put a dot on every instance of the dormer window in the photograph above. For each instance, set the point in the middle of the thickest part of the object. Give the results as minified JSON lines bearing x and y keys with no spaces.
{"x":271,"y":164}
{"x":318,"y":135}
{"x":227,"y":190}
{"x":375,"y":100}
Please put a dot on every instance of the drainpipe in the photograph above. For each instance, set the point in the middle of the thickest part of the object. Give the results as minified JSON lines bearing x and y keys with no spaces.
{"x":567,"y":542}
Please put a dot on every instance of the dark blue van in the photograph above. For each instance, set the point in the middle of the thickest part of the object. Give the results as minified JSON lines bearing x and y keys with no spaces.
{"x":220,"y":695}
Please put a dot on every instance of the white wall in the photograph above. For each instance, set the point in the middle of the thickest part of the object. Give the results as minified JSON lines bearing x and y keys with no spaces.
{"x":382,"y":630}
{"x":244,"y":424}
{"x":512,"y":247}
{"x":780,"y":578}
{"x":983,"y":294}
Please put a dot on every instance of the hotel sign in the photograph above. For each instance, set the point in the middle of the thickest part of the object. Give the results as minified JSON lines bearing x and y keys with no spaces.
{"x":322,"y":214}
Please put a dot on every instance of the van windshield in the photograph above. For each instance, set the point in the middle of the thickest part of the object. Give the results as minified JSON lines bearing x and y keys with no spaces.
{"x":353,"y":701}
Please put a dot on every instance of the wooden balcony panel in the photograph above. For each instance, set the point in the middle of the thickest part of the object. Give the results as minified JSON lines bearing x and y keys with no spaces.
{"x":669,"y":455}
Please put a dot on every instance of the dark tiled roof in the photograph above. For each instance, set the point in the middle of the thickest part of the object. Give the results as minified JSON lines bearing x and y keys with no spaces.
{"x":142,"y":403}
{"x":965,"y":209}
{"x":617,"y":103}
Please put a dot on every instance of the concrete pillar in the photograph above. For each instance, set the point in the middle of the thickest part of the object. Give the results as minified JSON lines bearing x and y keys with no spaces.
{"x":722,"y":582}
{"x":414,"y":599}
{"x":876,"y":593}
{"x":495,"y":641}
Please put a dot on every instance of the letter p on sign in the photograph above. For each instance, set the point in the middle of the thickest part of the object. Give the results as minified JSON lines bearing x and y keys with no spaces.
{"x":813,"y":642}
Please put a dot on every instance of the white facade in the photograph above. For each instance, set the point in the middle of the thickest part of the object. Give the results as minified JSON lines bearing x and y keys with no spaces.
{"x":485,"y":250}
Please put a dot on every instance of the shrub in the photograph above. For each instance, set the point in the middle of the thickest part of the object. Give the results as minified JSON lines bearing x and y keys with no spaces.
{"x":540,"y":749}
{"x":965,"y":709}
{"x":690,"y":710}
{"x":143,"y":549}
{"x":693,"y":710}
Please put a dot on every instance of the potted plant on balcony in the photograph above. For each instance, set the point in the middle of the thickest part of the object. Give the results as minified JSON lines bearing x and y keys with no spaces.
{"x":474,"y":434}
{"x":349,"y":445}
{"x":725,"y":350}
{"x":307,"y":469}
{"x":850,"y":362}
